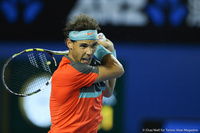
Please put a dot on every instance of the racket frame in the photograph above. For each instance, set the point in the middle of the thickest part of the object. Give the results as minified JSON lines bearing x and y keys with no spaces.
{"x":50,"y":52}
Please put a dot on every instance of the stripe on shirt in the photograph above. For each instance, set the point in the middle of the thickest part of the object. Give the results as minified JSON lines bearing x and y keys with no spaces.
{"x":93,"y":91}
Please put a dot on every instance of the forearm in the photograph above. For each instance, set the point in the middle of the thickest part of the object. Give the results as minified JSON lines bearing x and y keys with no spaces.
{"x":110,"y":85}
{"x":111,"y":63}
{"x":110,"y":67}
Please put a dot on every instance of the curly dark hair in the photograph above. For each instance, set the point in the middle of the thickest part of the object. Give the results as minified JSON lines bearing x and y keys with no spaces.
{"x":79,"y":23}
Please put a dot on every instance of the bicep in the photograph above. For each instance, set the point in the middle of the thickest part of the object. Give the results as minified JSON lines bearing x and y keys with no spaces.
{"x":105,"y":73}
{"x":110,"y":68}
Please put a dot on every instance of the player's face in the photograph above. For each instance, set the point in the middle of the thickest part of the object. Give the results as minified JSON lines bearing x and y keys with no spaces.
{"x":83,"y":51}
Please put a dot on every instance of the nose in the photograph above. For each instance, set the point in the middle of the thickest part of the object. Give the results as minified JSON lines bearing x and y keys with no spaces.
{"x":89,"y":50}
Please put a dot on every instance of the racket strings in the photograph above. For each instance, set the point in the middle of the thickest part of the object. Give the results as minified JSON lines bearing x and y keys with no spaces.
{"x":34,"y":84}
{"x":32,"y":59}
{"x":44,"y":63}
{"x":28,"y":72}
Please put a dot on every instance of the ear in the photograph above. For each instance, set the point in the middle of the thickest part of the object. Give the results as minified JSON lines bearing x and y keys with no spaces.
{"x":69,"y":43}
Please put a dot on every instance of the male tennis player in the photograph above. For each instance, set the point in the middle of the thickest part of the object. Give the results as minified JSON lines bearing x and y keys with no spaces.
{"x":77,"y":85}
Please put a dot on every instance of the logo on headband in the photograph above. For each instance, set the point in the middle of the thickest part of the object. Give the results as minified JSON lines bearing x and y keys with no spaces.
{"x":89,"y":33}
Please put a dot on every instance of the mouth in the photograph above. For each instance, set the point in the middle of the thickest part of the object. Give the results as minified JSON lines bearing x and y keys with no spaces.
{"x":86,"y":60}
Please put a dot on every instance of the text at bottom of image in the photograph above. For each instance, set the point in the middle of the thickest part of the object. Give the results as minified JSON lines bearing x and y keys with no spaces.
{"x":146,"y":130}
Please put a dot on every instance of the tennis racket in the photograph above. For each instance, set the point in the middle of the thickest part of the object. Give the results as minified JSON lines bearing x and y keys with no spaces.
{"x":29,"y":71}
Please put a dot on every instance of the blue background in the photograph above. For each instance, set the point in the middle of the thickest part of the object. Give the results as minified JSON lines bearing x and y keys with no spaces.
{"x":160,"y":87}
{"x":161,"y":82}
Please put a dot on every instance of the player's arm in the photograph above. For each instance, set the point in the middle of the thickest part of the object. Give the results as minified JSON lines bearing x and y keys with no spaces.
{"x":110,"y":67}
{"x":110,"y":84}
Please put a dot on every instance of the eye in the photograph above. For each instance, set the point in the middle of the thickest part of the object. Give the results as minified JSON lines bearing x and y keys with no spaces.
{"x":94,"y":45}
{"x":84,"y":45}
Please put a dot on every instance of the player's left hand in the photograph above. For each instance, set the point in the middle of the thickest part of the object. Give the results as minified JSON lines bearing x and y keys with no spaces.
{"x":107,"y":44}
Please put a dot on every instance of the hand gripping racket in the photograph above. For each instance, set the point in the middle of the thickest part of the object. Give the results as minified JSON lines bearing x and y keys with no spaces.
{"x":31,"y":65}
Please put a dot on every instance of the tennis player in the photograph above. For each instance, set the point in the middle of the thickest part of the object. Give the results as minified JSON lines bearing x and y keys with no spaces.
{"x":80,"y":82}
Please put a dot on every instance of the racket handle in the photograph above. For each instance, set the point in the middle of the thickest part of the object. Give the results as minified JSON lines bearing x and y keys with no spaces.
{"x":101,"y":37}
